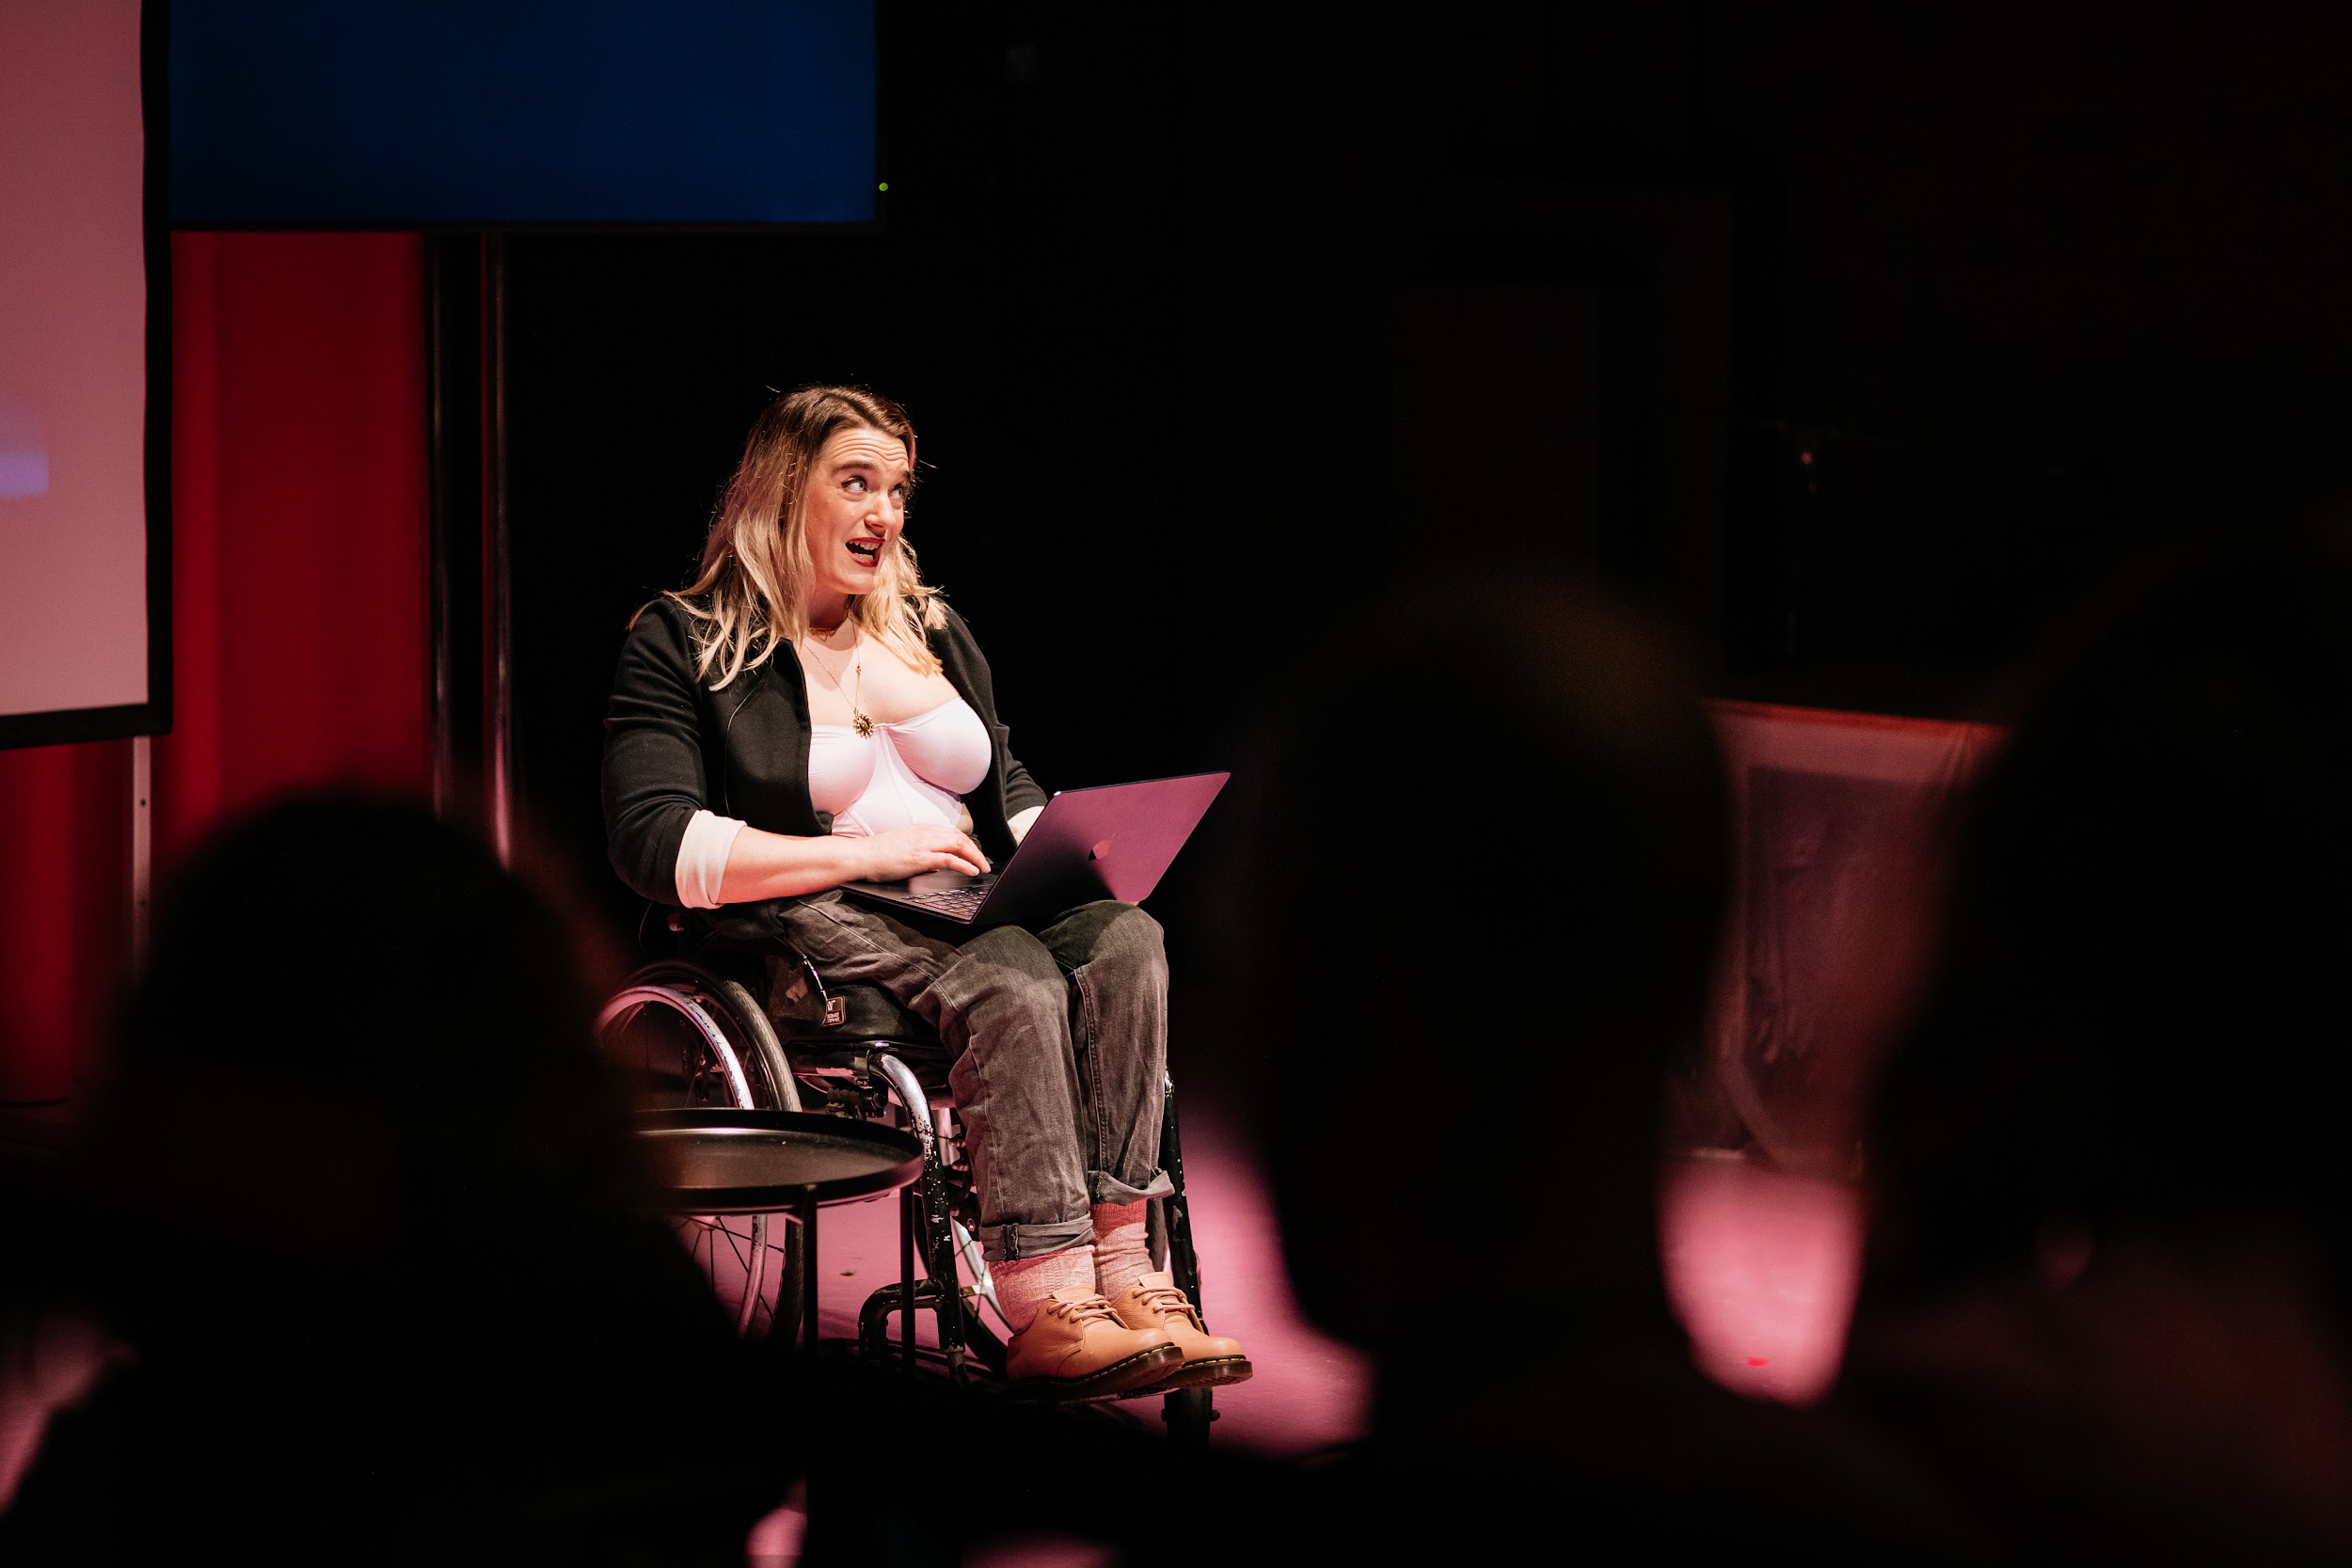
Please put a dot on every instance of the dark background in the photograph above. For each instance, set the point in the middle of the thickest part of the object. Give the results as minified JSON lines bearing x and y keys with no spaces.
{"x":1860,"y":338}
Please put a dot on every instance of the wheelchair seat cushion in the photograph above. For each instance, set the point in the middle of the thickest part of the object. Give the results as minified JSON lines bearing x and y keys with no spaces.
{"x":868,"y":1012}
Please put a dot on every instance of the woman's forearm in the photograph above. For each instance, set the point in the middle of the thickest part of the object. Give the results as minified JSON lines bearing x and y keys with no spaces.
{"x":776,"y":865}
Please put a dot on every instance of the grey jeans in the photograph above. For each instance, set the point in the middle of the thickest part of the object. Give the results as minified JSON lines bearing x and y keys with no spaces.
{"x":1058,"y":1044}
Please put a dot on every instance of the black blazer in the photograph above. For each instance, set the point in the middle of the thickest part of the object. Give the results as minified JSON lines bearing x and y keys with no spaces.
{"x":673,"y":746}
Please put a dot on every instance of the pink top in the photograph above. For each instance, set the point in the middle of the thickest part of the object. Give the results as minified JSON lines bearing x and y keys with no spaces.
{"x":916,"y":770}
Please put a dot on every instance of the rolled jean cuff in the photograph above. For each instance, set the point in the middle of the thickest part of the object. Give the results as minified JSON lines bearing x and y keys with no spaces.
{"x":1102,"y":1187}
{"x":1002,"y":1243}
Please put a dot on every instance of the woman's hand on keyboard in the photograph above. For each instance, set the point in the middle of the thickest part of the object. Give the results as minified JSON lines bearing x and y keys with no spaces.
{"x":910,"y":851}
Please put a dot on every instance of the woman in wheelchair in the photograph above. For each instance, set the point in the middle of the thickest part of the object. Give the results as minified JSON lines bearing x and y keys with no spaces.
{"x":808,"y":714}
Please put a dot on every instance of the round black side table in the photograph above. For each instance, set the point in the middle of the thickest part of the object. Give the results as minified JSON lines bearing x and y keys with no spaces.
{"x":724,"y":1162}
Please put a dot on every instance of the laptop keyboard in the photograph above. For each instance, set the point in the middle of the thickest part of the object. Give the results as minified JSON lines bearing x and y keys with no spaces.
{"x":959,"y":901}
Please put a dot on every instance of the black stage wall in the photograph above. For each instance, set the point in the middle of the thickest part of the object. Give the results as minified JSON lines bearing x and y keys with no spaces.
{"x":1862,"y":339}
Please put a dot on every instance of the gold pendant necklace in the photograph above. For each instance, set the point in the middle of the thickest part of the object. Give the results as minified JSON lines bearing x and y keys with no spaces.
{"x":858,"y":720}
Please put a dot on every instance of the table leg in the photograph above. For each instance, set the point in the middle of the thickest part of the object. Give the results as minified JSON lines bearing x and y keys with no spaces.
{"x":804,"y":1212}
{"x":910,"y":1215}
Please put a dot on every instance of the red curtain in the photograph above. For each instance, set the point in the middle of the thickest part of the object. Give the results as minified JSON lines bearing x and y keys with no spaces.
{"x":299,"y":514}
{"x":63,"y":908}
{"x":299,"y":609}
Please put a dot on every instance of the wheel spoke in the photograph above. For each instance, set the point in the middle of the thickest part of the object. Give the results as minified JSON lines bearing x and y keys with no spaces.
{"x":679,"y":1041}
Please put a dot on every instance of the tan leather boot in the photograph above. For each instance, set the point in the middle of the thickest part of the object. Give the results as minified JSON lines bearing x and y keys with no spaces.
{"x":1210,"y":1359}
{"x":1076,"y":1348}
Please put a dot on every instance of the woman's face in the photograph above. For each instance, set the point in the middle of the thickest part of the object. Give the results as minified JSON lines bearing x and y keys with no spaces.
{"x":853,"y":510}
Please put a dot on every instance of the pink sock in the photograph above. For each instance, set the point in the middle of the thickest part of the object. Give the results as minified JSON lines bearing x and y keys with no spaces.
{"x":1022,"y":1283}
{"x":1122,"y":1252}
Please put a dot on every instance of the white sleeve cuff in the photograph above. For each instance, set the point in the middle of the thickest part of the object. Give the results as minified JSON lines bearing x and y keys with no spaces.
{"x":1019,"y":822}
{"x":702,"y":858}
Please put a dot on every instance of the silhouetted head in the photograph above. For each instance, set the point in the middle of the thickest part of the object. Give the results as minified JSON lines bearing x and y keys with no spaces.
{"x":2139,"y":1021}
{"x":1482,"y":906}
{"x":360,"y":1197}
{"x":359,"y":1046}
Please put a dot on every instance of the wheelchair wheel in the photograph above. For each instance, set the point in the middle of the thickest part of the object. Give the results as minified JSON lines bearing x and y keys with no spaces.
{"x":682,"y":1037}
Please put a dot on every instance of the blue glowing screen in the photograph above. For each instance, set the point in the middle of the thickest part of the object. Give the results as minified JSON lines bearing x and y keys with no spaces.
{"x":400,"y":113}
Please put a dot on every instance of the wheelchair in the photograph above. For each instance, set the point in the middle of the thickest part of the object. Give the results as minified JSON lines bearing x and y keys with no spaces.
{"x":691,"y":1030}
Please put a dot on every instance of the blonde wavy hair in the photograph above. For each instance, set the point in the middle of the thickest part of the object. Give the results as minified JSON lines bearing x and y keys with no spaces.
{"x":751,"y":590}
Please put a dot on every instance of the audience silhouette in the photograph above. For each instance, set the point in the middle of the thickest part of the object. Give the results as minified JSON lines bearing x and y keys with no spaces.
{"x":2109,"y":1289}
{"x":360,"y":1201}
{"x":1469,"y":1006}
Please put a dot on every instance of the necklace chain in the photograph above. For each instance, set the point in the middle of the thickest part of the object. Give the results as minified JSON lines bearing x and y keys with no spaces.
{"x":858,"y":720}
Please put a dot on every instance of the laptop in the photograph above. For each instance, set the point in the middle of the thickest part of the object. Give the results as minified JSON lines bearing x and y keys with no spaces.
{"x":1114,"y":840}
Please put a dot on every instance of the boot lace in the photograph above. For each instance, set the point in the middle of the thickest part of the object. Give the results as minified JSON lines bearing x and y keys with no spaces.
{"x":1163,"y":1300}
{"x":1089,"y":1309}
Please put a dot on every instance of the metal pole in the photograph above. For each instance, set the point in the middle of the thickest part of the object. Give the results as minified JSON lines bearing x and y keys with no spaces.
{"x":142,"y":845}
{"x":498,"y":632}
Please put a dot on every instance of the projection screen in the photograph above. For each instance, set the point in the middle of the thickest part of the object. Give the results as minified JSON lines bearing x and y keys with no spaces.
{"x":83,"y":573}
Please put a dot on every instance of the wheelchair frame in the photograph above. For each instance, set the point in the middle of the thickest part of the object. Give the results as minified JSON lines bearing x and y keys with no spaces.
{"x":867,"y":1073}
